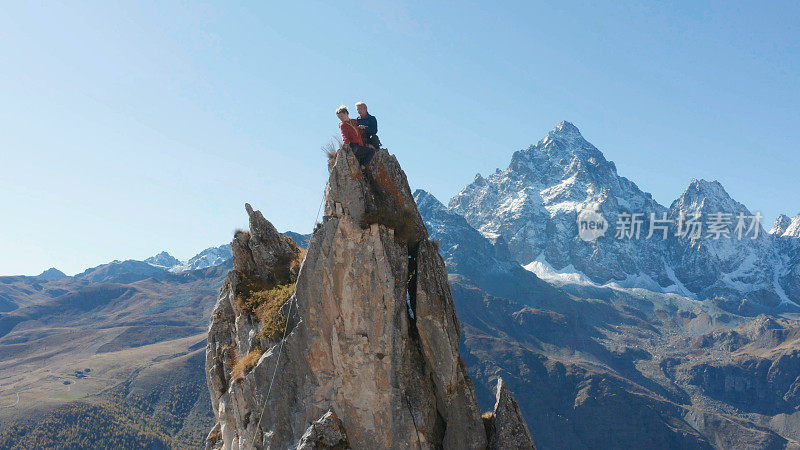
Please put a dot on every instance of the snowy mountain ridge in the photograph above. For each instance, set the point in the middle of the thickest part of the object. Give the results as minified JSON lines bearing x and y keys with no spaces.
{"x":533,"y":205}
{"x":210,"y":257}
{"x":786,"y":227}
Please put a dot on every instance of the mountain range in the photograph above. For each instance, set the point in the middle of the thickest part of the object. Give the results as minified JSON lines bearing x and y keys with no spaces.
{"x":614,"y":343}
{"x":584,"y":359}
{"x":533,"y":206}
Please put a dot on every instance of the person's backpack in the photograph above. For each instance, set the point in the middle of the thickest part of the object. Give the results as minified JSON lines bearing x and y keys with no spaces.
{"x":372,"y":140}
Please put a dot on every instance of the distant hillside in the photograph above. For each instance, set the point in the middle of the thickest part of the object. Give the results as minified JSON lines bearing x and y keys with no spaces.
{"x":301,"y":240}
{"x":112,"y":358}
{"x":52,"y":274}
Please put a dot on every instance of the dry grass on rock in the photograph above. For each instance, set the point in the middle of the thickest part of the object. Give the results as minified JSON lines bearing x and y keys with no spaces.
{"x":330,"y":149}
{"x":244,"y":365}
{"x":264,"y":300}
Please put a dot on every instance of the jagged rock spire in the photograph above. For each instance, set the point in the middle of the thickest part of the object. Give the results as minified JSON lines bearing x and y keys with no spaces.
{"x":370,"y":354}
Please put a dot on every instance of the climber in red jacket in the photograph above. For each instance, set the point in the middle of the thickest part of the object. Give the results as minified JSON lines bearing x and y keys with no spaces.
{"x":352,"y":137}
{"x":348,"y":127}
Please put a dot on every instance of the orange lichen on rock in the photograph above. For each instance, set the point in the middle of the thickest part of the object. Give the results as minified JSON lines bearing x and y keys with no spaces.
{"x":386,"y":182}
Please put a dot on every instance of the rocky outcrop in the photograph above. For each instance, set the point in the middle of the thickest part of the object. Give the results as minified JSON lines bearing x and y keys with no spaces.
{"x":505,"y":426}
{"x":368,"y":357}
{"x":326,"y":432}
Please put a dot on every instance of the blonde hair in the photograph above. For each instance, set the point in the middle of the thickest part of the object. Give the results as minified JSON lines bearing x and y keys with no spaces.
{"x":361,"y":104}
{"x":342,"y":109}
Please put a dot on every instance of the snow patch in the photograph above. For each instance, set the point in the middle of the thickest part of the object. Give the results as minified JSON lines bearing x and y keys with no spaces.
{"x":634,"y":283}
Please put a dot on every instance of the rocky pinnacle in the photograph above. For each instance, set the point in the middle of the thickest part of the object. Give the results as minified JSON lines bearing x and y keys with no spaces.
{"x":369,"y":354}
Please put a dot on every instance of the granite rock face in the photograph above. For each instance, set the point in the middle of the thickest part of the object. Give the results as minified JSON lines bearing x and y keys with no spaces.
{"x":370,"y":354}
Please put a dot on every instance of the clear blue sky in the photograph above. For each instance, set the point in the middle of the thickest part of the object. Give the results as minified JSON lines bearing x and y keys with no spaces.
{"x":133,"y":127}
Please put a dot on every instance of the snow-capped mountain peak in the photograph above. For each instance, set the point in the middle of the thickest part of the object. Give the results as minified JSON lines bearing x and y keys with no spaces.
{"x":781,"y":224}
{"x":550,"y":181}
{"x":566,"y":129}
{"x":210,"y":257}
{"x":163,"y":259}
{"x":793,"y":229}
{"x":563,"y":150}
{"x":533,"y":205}
{"x":426,"y":200}
{"x":707,"y":197}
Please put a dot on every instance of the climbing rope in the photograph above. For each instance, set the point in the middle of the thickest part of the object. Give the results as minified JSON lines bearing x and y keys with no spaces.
{"x":274,"y":372}
{"x":320,"y":208}
{"x":283,"y":340}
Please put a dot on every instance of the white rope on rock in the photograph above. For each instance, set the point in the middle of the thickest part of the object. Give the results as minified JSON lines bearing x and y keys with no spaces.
{"x":280,"y":348}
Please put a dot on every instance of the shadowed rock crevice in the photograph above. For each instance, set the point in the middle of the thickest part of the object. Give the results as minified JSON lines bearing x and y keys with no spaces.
{"x":412,"y":286}
{"x":371,"y":348}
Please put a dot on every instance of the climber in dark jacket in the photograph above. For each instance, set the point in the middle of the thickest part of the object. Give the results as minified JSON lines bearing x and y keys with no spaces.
{"x":368,"y":126}
{"x":352,"y":137}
